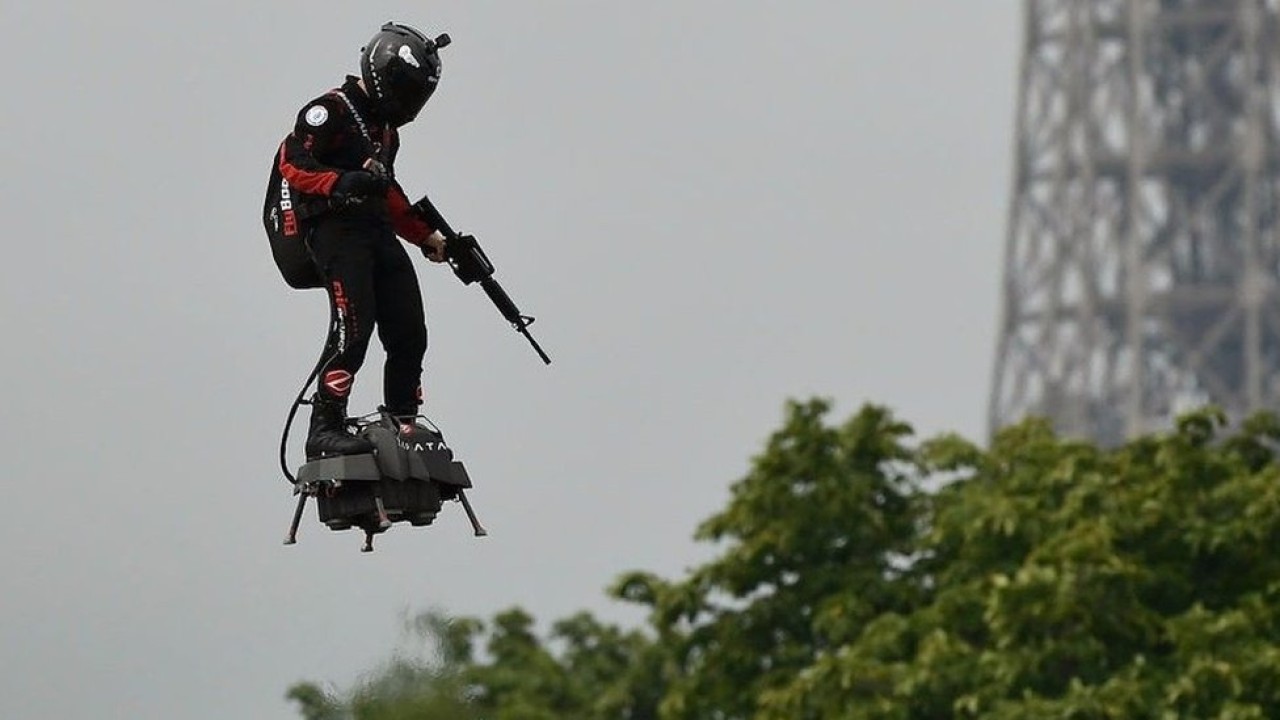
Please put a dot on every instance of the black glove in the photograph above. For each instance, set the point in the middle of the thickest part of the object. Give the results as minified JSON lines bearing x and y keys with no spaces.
{"x":359,"y":184}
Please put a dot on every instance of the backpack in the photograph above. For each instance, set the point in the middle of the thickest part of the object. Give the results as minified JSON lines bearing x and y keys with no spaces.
{"x":287,"y":231}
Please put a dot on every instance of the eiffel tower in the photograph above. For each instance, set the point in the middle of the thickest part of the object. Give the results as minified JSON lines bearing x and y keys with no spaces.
{"x":1142,"y":260}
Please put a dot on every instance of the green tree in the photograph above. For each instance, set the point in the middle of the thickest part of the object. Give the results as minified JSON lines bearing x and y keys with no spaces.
{"x":426,"y":681}
{"x":1038,"y":578}
{"x":816,"y":539}
{"x":1071,"y":581}
{"x":502,"y":670}
{"x":595,"y":671}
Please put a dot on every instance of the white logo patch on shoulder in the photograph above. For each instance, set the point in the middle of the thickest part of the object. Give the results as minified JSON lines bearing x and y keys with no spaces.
{"x":316,"y":115}
{"x":407,"y":55}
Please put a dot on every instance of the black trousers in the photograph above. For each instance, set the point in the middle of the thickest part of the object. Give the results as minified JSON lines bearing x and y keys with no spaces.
{"x":371,"y":284}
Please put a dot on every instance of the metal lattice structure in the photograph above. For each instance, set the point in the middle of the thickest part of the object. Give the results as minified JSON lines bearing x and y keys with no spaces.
{"x":1143,"y":257}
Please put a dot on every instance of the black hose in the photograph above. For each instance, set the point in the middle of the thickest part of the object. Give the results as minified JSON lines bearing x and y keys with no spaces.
{"x":315,"y":372}
{"x":293,"y":411}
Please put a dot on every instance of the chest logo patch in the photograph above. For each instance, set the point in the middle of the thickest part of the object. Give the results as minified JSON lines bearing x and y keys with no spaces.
{"x":316,"y":115}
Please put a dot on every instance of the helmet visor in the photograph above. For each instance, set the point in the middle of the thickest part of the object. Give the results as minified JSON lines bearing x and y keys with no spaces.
{"x":408,"y":92}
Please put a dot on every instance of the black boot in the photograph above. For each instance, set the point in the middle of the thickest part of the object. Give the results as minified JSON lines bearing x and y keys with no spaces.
{"x":403,"y":415}
{"x":328,"y":434}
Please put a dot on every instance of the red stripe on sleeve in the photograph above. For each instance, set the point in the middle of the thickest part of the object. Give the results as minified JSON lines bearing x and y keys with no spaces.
{"x":407,"y":225}
{"x":307,"y":181}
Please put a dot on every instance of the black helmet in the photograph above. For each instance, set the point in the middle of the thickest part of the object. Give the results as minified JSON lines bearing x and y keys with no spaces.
{"x":400,"y":68}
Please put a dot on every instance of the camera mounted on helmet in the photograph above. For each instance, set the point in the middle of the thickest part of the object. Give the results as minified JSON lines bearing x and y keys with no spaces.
{"x":400,"y":67}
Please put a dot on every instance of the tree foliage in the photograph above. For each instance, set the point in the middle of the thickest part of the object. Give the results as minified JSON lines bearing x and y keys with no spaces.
{"x":860,"y":575}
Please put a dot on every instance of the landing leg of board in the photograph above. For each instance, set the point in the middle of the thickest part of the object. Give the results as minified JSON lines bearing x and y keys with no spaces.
{"x":292,"y":537}
{"x":471,"y":514}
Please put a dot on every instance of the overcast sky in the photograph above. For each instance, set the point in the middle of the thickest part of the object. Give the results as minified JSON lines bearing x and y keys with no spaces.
{"x":710,"y":207}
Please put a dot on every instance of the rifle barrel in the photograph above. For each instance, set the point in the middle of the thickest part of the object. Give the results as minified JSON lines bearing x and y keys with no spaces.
{"x":524,"y":330}
{"x":508,"y":308}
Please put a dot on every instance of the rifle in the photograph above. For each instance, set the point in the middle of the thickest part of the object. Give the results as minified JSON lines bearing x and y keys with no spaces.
{"x":470,"y":264}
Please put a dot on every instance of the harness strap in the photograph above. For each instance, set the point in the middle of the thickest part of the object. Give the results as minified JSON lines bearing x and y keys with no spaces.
{"x":379,"y":148}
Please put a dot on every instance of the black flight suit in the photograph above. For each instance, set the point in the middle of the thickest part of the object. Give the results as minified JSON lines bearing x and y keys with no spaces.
{"x":369,"y":277}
